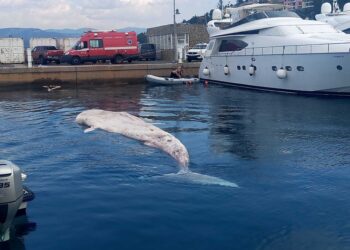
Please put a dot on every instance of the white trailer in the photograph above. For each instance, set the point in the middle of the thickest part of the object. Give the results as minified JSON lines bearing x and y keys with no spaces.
{"x":42,"y":42}
{"x":11,"y":50}
{"x":67,"y":43}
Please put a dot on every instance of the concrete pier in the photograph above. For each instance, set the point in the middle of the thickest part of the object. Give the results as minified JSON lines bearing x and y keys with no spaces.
{"x":105,"y":73}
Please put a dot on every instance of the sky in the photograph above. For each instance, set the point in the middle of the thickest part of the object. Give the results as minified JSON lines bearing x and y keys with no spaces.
{"x":98,"y":14}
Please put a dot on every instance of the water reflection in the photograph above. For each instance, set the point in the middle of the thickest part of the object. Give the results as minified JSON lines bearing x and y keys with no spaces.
{"x":253,"y":125}
{"x":119,"y":98}
{"x":303,"y":239}
{"x":21,"y":227}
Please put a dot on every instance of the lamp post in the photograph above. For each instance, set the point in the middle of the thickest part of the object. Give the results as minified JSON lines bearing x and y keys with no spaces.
{"x":176,"y":12}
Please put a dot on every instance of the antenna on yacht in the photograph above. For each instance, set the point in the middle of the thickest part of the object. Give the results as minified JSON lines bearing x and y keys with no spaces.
{"x":336,"y":8}
{"x":222,"y":6}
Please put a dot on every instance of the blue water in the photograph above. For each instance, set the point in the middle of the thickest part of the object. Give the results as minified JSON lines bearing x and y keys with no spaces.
{"x":290,"y":156}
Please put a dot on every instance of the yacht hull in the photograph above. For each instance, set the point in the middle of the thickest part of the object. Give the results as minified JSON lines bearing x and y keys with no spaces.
{"x":304,"y":73}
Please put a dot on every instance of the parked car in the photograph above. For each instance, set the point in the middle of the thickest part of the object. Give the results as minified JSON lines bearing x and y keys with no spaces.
{"x":45,"y":54}
{"x":147,"y":51}
{"x":196,"y":53}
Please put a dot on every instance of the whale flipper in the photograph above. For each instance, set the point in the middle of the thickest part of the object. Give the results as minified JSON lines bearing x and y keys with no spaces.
{"x":89,"y":129}
{"x":150,"y":144}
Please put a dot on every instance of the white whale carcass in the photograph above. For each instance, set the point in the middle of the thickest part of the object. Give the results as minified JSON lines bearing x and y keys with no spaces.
{"x":135,"y":128}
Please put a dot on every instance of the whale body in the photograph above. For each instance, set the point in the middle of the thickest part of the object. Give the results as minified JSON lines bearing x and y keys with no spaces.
{"x":135,"y":128}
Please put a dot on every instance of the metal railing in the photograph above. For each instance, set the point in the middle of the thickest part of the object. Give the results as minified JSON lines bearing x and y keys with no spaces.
{"x":324,"y":48}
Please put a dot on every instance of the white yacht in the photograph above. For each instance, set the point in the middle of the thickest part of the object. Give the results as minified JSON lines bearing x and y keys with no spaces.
{"x":278,"y":51}
{"x":333,"y":15}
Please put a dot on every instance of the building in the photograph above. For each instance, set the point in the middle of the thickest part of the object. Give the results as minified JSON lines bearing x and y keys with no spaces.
{"x":187,"y":36}
{"x":298,"y":4}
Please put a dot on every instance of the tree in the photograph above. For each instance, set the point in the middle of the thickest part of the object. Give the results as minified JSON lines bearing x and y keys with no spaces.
{"x":304,"y":13}
{"x":229,"y":5}
{"x":239,"y":2}
{"x":199,"y":19}
{"x":220,"y":4}
{"x":142,"y":38}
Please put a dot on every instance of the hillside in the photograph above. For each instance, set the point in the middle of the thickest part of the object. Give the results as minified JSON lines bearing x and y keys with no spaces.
{"x":27,"y":33}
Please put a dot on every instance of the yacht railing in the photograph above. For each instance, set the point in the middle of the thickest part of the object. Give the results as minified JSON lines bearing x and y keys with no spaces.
{"x":325,"y":48}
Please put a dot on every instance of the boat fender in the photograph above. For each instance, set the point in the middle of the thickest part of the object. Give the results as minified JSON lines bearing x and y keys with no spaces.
{"x":226,"y":70}
{"x":281,"y":73}
{"x":251,"y":70}
{"x":206,"y":71}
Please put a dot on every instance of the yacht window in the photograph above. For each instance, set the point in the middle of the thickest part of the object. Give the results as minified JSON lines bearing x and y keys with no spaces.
{"x":221,"y":25}
{"x":339,"y":67}
{"x":288,"y":68}
{"x":253,"y":17}
{"x":274,"y":68}
{"x":347,"y":31}
{"x":244,"y":68}
{"x":282,"y":13}
{"x":300,"y":68}
{"x":239,"y":67}
{"x":232,"y":45}
{"x":262,"y":15}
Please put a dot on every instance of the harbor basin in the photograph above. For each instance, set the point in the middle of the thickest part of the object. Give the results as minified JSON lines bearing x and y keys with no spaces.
{"x":288,"y":154}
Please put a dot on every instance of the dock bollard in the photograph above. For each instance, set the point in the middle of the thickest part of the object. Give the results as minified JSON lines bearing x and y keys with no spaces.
{"x":179,"y":55}
{"x":29,"y":58}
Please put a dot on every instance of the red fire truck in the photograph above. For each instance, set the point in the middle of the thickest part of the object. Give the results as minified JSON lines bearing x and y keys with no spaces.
{"x":96,"y":46}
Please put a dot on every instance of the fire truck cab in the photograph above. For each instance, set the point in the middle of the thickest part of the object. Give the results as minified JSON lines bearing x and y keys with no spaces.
{"x":103,"y":45}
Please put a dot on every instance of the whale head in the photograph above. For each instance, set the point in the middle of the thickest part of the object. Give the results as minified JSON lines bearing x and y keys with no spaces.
{"x":85,"y":116}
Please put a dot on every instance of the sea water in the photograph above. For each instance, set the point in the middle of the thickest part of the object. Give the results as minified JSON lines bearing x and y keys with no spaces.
{"x":289,"y":155}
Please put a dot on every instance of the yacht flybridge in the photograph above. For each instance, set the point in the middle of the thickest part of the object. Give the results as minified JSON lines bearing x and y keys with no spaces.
{"x":277,"y":50}
{"x":336,"y":17}
{"x":233,"y":15}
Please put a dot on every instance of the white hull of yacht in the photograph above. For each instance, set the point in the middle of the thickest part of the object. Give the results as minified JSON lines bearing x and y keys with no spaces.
{"x":322,"y":73}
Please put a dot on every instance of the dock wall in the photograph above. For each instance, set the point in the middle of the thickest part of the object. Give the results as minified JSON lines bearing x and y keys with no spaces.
{"x":118,"y":74}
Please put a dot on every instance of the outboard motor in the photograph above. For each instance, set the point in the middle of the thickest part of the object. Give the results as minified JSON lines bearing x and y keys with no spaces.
{"x":11,"y":196}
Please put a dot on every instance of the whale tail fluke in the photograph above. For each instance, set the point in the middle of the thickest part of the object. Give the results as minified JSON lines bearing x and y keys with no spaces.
{"x":185,"y":175}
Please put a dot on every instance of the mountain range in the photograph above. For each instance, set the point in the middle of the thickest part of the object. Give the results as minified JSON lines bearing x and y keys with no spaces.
{"x":27,"y":33}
